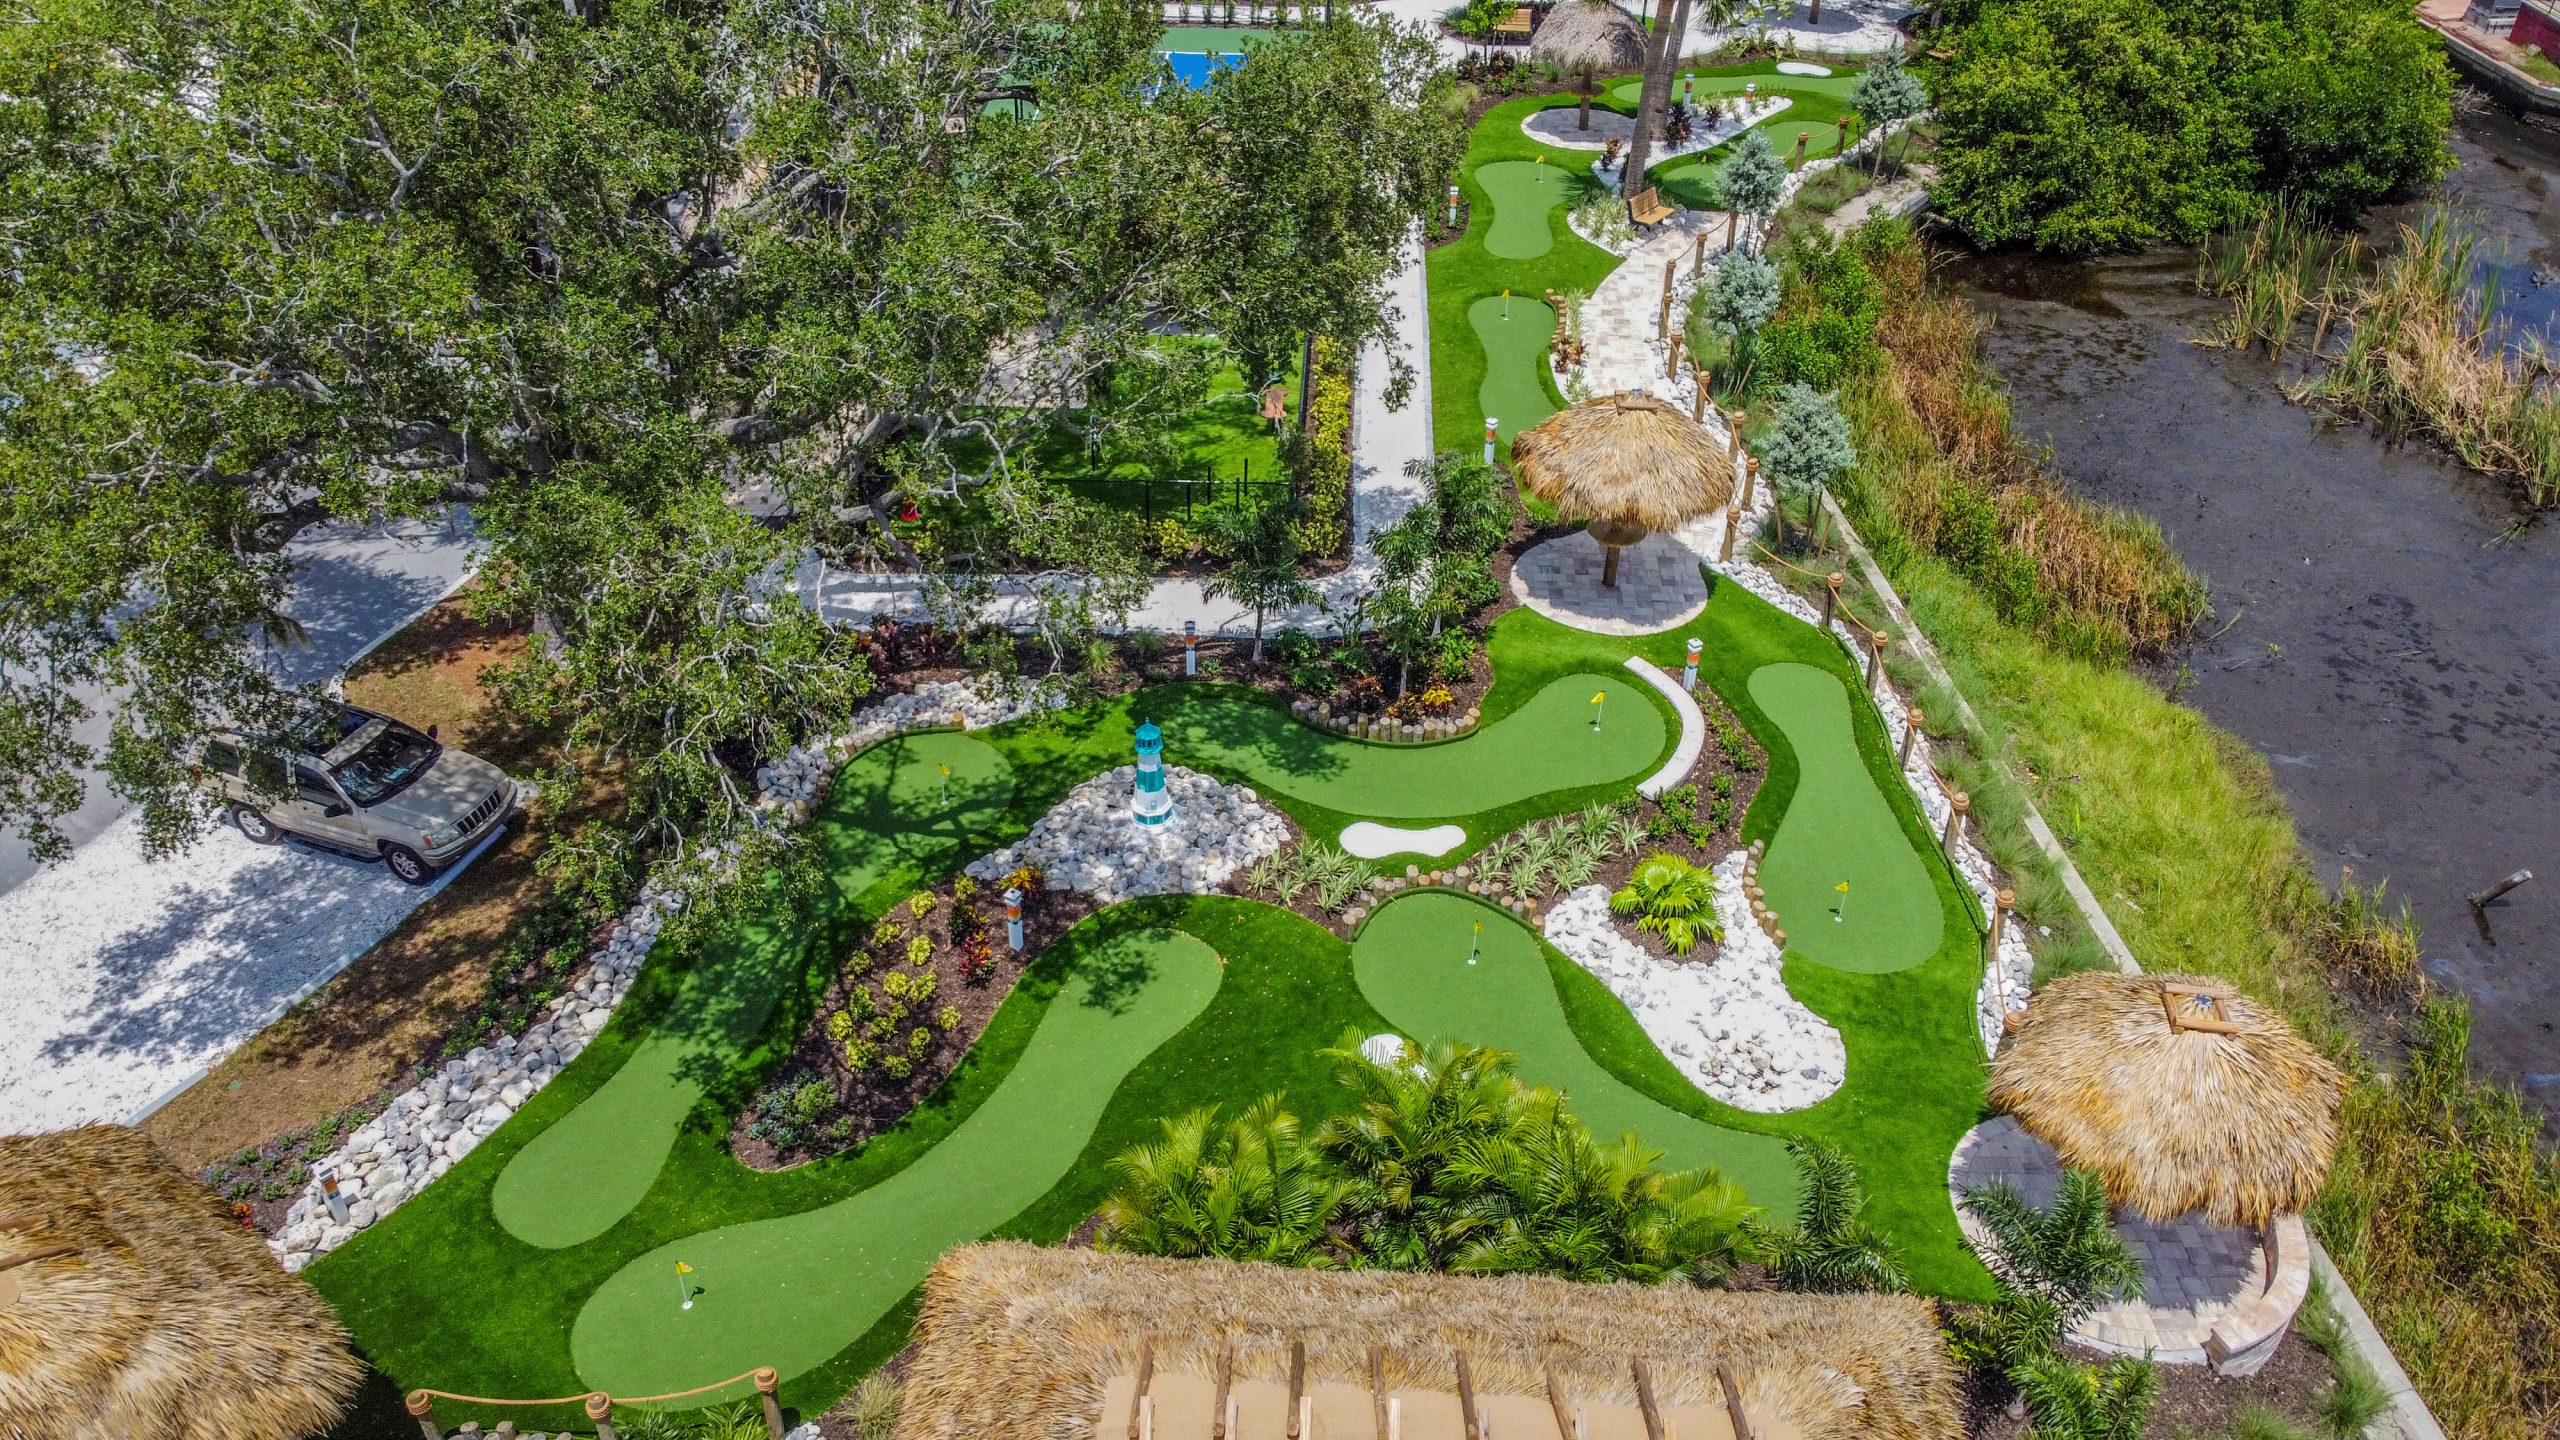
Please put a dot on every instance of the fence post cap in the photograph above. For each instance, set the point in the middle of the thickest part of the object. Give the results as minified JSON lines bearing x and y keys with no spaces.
{"x":2008,"y":899}
{"x":599,"y":1405}
{"x":418,"y":1403}
{"x":1961,"y":801}
{"x":766,"y":1378}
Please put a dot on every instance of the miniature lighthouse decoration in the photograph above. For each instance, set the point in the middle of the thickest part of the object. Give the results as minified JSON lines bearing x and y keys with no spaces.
{"x":1152,"y":803}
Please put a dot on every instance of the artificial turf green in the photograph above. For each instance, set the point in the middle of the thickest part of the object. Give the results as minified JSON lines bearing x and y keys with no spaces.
{"x":896,"y":807}
{"x":1523,"y":192}
{"x":1442,"y":965}
{"x":440,"y":1294}
{"x":1517,"y":391}
{"x":1839,"y":831}
{"x":789,"y":1292}
{"x":1546,"y":745}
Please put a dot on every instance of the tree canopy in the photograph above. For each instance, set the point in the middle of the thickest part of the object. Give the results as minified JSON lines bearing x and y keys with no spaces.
{"x":2083,"y":125}
{"x":599,"y":270}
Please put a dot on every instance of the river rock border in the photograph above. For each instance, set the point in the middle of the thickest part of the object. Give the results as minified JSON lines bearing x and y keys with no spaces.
{"x":1091,"y":842}
{"x":425,"y":1130}
{"x":1729,"y":1024}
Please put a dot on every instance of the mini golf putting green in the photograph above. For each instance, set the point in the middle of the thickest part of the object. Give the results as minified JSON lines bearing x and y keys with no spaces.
{"x":574,"y":1180}
{"x":1516,"y":391}
{"x":1691,"y":180}
{"x":1839,"y":828}
{"x":1720,"y":84}
{"x":1524,"y":193}
{"x":1546,"y":745}
{"x":793,"y":1291}
{"x":1411,"y":961}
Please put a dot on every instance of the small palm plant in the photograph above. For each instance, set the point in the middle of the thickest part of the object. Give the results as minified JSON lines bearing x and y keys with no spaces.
{"x":2068,"y":1255}
{"x":2067,"y":1400}
{"x":1248,"y":1190}
{"x":1674,"y":899}
{"x":1832,"y":1249}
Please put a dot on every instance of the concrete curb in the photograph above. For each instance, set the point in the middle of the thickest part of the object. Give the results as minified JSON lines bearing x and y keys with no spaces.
{"x":2408,"y":1418}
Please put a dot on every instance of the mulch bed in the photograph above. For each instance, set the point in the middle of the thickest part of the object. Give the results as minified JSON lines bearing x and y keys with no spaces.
{"x":870,"y":1100}
{"x":2193,"y":1400}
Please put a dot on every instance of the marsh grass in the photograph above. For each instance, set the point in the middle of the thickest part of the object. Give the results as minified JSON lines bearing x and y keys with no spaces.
{"x":1942,"y":473}
{"x":2417,"y":350}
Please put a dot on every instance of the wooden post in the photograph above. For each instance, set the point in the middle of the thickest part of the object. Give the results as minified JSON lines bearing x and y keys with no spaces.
{"x":768,"y":1380}
{"x":2001,"y":905}
{"x":1671,"y":371}
{"x":1750,"y":478}
{"x":1732,"y":524}
{"x":1146,"y":1374}
{"x":1467,"y":1398}
{"x":1957,"y":804}
{"x":1297,"y":1383}
{"x":1875,"y":659}
{"x":600,"y":1414}
{"x":1732,"y":218}
{"x":1733,"y":1402}
{"x":1670,"y":268}
{"x":422,"y":1408}
{"x":1556,"y":1402}
{"x":1698,"y":402}
{"x":1378,"y":1390}
{"x":1698,"y":255}
{"x":1830,"y":599}
{"x":1644,"y":1398}
{"x":1218,"y":1405}
{"x":1801,"y":137}
{"x":1912,"y":722}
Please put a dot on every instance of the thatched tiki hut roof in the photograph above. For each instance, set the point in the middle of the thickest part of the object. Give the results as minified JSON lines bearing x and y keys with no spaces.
{"x":1627,"y":463}
{"x":132,"y":1305}
{"x":1589,"y":34}
{"x":2185,"y":1096}
{"x":1021,"y":1343}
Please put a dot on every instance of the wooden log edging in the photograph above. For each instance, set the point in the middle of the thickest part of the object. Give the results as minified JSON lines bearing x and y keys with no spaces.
{"x":596,"y":1405}
{"x":2408,"y":1418}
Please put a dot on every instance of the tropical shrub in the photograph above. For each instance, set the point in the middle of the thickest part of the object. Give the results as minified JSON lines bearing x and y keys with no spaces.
{"x":1832,"y":1249}
{"x":2067,"y":1400}
{"x":1248,"y":1190}
{"x":1673,"y":898}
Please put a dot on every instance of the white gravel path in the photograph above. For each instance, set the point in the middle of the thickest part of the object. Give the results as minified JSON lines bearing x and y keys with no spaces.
{"x":127,"y":977}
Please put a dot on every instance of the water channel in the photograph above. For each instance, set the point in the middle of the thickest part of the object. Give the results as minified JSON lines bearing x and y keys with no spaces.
{"x":2393,"y":621}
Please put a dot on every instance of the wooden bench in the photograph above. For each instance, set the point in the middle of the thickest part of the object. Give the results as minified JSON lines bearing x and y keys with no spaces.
{"x":1645,"y":207}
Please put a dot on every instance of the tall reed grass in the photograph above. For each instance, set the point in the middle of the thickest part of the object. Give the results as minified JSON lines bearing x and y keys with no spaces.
{"x":2419,"y":352}
{"x":1941,"y":472}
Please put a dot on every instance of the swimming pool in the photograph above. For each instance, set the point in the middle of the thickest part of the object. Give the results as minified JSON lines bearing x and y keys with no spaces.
{"x":1196,"y":68}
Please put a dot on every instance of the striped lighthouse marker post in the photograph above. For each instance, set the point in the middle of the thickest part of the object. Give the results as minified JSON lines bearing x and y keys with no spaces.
{"x":1689,"y":672}
{"x":1013,"y":917}
{"x":1190,"y":648}
{"x":1490,"y":425}
{"x":1151,"y":803}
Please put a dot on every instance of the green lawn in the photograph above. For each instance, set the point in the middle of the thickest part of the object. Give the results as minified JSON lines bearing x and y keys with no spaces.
{"x":1519,"y":192}
{"x":813,"y":1269}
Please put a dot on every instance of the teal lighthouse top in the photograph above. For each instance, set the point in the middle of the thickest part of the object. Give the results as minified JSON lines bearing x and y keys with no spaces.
{"x":1151,"y":803}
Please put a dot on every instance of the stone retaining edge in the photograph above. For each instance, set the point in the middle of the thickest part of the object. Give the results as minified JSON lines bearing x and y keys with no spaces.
{"x":1693,"y":729}
{"x":2409,"y":1418}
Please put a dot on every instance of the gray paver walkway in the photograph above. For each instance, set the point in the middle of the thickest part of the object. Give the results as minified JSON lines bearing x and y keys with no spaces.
{"x":2195,"y":1275}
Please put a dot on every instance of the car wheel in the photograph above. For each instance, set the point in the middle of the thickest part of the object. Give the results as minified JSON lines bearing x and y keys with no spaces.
{"x":408,"y":865}
{"x":257,"y":827}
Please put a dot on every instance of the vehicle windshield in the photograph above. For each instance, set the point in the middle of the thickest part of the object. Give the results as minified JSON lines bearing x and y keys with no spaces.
{"x":396,"y":756}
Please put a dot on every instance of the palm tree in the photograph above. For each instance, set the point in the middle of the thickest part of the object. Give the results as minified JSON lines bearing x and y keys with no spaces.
{"x":2068,"y":1400}
{"x":1247,"y":1191}
{"x":2069,"y":1256}
{"x":1677,"y":900}
{"x":1405,"y":1125}
{"x":1832,"y":1249}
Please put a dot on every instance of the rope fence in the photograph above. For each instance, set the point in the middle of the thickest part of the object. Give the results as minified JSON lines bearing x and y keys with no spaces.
{"x":597,"y":1405}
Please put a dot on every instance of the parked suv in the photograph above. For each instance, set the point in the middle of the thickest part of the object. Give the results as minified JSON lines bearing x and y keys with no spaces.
{"x":364,"y":784}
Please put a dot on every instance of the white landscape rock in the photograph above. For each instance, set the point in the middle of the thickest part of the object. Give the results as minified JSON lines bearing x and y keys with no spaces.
{"x":1730,"y":1024}
{"x":1092,"y":843}
{"x":427,"y":1129}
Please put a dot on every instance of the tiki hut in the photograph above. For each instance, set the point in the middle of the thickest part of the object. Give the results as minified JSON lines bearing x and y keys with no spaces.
{"x":1587,"y":39}
{"x":1016,"y":1342}
{"x":2185,"y":1096}
{"x":132,"y":1305}
{"x":1627,"y":463}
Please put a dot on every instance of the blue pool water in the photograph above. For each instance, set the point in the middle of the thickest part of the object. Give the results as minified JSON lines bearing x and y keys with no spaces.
{"x":1195,"y":68}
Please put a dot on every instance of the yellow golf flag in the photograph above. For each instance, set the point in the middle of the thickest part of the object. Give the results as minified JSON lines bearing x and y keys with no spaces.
{"x":946,"y":769}
{"x":1603,"y":695}
{"x":683,"y":1269}
{"x":1842,"y":887}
